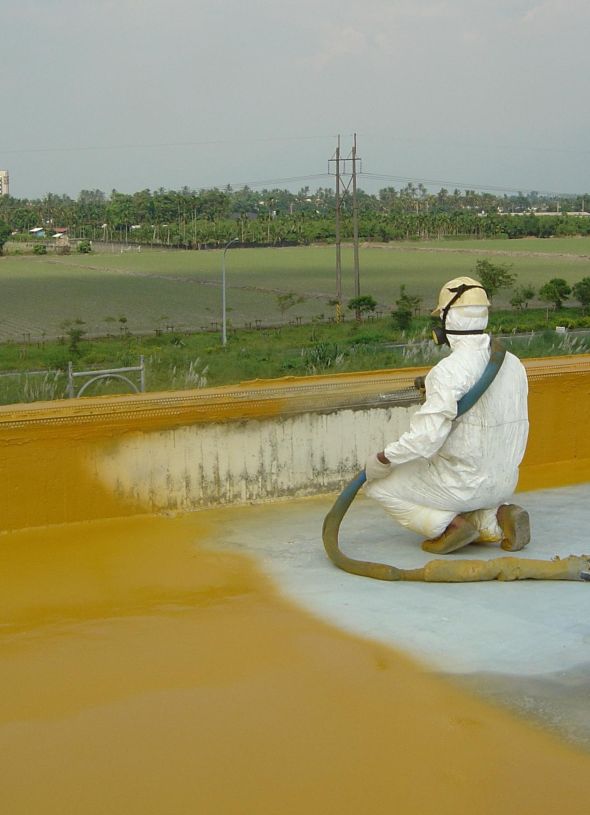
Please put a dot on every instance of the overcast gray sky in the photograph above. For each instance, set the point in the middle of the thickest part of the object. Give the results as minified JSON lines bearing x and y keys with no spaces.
{"x":129,"y":94}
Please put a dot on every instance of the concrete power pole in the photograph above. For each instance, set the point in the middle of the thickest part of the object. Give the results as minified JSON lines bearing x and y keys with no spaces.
{"x":345,"y":171}
{"x":355,"y":228}
{"x":338,"y":247}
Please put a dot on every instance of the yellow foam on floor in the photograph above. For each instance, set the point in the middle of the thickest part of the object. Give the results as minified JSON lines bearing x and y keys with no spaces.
{"x":141,"y":673}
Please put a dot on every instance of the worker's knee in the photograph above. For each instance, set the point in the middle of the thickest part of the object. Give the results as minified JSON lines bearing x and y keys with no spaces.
{"x":425,"y":521}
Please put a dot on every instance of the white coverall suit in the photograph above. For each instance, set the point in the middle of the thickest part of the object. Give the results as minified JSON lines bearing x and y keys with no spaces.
{"x":442,"y":465}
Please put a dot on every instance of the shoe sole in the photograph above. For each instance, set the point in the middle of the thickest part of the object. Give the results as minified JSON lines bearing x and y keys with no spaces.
{"x":516,"y":528}
{"x":451,"y":542}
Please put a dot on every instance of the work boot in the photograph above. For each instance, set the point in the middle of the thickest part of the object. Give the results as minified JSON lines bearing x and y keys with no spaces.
{"x":457,"y":534}
{"x":515,"y":526}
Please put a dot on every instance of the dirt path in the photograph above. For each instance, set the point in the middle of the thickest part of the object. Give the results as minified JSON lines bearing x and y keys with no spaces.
{"x":470,"y":251}
{"x":185,"y":279}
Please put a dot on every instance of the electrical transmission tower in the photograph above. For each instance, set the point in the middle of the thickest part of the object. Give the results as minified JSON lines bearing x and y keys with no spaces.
{"x":345,"y":170}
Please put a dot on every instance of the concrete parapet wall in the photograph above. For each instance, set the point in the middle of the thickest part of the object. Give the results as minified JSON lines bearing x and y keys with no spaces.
{"x":111,"y":456}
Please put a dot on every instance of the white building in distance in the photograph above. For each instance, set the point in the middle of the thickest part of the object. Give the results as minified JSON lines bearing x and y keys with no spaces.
{"x":4,"y":182}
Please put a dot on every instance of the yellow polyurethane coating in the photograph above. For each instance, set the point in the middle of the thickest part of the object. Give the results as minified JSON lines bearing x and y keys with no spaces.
{"x":144,"y":672}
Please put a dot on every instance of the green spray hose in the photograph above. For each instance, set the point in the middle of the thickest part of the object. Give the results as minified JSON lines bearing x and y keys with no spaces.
{"x":332,"y":521}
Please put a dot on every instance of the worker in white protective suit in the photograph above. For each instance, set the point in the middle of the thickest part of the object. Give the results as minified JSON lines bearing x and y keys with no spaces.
{"x":447,"y":478}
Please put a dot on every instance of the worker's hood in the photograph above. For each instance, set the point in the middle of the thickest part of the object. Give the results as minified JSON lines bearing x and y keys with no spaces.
{"x":467,"y":318}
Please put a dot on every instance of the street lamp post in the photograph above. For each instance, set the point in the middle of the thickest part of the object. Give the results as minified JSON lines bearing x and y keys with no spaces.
{"x":223,"y":319}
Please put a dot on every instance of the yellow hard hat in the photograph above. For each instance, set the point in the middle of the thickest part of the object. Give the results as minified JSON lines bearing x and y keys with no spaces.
{"x":473,"y":295}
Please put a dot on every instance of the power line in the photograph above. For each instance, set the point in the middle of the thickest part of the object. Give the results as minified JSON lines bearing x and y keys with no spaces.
{"x":528,"y":148}
{"x":288,"y":180}
{"x":387,"y":177}
{"x":458,"y":184}
{"x":138,"y":146}
{"x":264,"y":139}
{"x":291,"y":179}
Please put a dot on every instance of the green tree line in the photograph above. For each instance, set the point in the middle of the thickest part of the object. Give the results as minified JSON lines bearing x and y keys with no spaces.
{"x":190,"y":218}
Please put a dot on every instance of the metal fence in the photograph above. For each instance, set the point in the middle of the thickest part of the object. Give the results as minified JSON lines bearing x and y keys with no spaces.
{"x":105,"y":374}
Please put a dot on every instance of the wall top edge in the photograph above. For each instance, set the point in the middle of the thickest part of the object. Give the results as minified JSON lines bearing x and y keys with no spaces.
{"x":253,"y":399}
{"x":256,"y":398}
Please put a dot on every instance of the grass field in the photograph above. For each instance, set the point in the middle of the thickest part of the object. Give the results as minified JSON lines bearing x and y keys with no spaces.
{"x":156,"y":289}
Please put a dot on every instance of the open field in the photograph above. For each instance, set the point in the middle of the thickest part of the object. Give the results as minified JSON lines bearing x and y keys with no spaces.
{"x":156,"y":289}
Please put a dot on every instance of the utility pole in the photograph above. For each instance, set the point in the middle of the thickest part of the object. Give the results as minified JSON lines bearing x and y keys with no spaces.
{"x":355,"y":228}
{"x":345,"y":171}
{"x":223,"y":305}
{"x":338,"y":247}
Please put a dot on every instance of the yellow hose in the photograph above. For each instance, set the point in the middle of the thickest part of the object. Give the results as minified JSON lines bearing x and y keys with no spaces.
{"x":574,"y":567}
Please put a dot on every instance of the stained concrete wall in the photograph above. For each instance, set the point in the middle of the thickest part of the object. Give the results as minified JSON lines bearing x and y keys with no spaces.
{"x":250,"y":461}
{"x":112,"y":456}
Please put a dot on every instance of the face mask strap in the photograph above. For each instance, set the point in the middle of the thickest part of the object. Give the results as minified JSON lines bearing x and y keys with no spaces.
{"x":473,"y":331}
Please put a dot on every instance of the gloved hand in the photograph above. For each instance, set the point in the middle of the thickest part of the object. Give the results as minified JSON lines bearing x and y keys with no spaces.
{"x":420,"y":386}
{"x":374,"y":468}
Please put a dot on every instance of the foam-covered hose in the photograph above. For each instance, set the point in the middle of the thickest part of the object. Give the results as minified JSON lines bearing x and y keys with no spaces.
{"x":574,"y":567}
{"x":332,"y":521}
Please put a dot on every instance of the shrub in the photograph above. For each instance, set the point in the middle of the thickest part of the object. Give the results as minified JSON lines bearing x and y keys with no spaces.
{"x":494,"y":276}
{"x":521,"y":296}
{"x":4,"y":234}
{"x":406,"y":306}
{"x":555,"y":291}
{"x":581,"y":291}
{"x":75,"y":332}
{"x":365,"y":304}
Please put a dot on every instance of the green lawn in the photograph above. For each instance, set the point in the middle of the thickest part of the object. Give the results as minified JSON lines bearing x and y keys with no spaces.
{"x":155,"y":289}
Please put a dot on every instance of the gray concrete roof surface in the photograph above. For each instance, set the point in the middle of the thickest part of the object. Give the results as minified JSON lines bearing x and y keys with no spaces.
{"x":525,"y":644}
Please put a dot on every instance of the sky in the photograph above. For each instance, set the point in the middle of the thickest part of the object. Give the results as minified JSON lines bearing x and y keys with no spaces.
{"x":136,"y":94}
